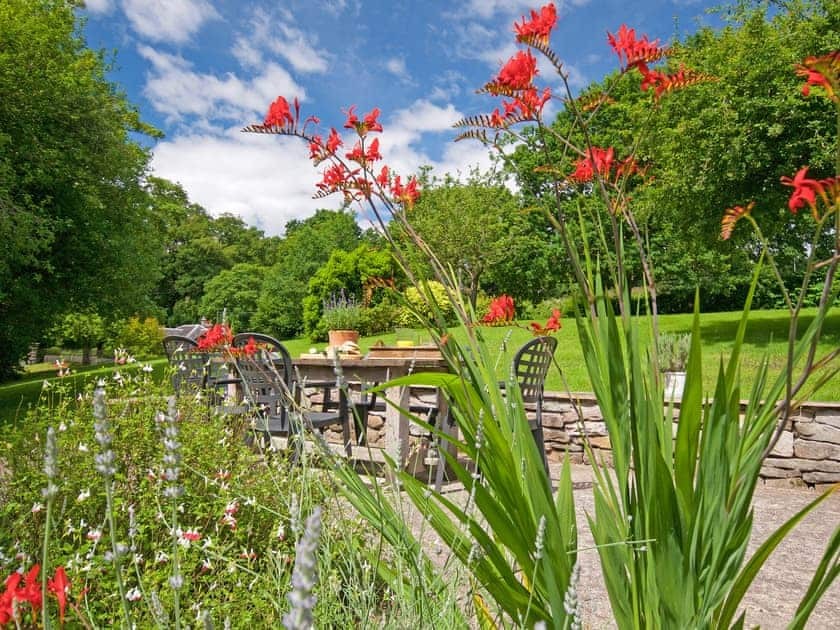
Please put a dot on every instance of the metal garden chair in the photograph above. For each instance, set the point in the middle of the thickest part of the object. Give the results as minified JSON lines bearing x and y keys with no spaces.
{"x":273,"y":393}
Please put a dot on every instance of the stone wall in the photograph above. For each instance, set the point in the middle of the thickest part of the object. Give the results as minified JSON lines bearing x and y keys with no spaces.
{"x":807,"y":454}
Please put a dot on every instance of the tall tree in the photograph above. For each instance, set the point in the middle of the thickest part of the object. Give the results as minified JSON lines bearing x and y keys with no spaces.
{"x":73,"y":217}
{"x":307,"y":245}
{"x":471,"y":227}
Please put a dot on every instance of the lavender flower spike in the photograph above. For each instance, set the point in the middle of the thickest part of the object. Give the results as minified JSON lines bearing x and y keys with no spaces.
{"x":304,"y":576}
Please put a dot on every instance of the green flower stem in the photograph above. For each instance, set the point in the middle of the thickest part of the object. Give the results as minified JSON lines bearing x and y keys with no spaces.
{"x":176,"y":569}
{"x":109,"y":499}
{"x":44,"y":566}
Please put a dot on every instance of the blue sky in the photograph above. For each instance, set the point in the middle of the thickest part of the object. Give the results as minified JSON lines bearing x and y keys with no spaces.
{"x":200,"y":70}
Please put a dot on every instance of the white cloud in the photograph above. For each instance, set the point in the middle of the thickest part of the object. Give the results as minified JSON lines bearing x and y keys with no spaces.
{"x":99,"y":6}
{"x":396,"y":66}
{"x":246,"y":53}
{"x":269,"y":36}
{"x":294,"y":46}
{"x":488,"y":8}
{"x":177,"y":90}
{"x":266,"y":180}
{"x":173,"y":21}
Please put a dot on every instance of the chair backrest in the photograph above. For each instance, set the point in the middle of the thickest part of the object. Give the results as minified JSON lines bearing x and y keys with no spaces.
{"x":266,"y":375}
{"x":190,"y":366}
{"x":177,"y":344}
{"x":530,"y":365}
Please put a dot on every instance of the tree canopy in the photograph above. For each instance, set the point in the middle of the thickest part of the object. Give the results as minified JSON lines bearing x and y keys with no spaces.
{"x":72,"y":212}
{"x":719,"y":144}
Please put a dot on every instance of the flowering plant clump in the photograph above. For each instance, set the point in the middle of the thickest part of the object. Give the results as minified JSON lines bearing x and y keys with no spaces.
{"x":502,"y":312}
{"x":218,"y":337}
{"x":22,"y":589}
{"x":342,"y":312}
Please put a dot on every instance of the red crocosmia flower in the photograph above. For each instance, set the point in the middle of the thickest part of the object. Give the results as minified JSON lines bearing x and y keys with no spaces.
{"x":335,"y":178}
{"x":519,"y":71}
{"x":316,"y":148}
{"x":496,"y":119}
{"x":680,"y":79}
{"x":551,"y":326}
{"x":501,"y":311}
{"x":279,"y":114}
{"x":598,"y":161}
{"x":539,"y":26}
{"x":823,"y":71}
{"x":59,"y":586}
{"x":30,"y":592}
{"x":370,"y":122}
{"x":352,"y":119}
{"x":333,"y":141}
{"x":219,"y":335}
{"x":250,"y":348}
{"x":408,"y":194}
{"x":631,"y":52}
{"x":805,"y":190}
{"x":8,"y":597}
{"x":731,"y":216}
{"x":372,"y":154}
{"x":383,"y":178}
{"x":356,"y":154}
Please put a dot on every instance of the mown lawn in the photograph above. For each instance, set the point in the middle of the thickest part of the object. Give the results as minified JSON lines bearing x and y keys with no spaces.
{"x":766,"y":337}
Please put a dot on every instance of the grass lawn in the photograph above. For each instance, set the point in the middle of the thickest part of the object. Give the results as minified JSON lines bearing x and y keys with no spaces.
{"x":766,"y":336}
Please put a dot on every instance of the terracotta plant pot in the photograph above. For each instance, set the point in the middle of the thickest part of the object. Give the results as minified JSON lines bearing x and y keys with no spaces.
{"x":338,"y":337}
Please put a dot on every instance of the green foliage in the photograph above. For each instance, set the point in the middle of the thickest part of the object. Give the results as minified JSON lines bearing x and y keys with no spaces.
{"x":81,"y":330}
{"x":141,"y":338}
{"x":347,"y":272}
{"x":307,"y":245}
{"x":477,"y":229}
{"x":75,"y":217}
{"x":418,"y":309}
{"x":682,"y":506}
{"x":234,"y":293}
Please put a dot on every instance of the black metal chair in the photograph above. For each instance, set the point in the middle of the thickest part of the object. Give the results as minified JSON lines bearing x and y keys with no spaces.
{"x":530,"y":367}
{"x":273,"y":393}
{"x":189,"y":365}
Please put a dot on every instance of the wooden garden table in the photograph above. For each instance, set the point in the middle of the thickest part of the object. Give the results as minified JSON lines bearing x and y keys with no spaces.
{"x":379,"y":370}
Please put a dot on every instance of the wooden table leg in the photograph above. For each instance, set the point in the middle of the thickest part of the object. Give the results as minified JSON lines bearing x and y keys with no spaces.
{"x":396,"y":425}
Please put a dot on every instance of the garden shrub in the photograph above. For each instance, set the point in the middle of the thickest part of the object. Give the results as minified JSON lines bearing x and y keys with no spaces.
{"x":419,"y":303}
{"x":140,"y":338}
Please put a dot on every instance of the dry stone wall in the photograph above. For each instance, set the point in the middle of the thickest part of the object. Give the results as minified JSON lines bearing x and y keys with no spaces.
{"x":807,"y":454}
